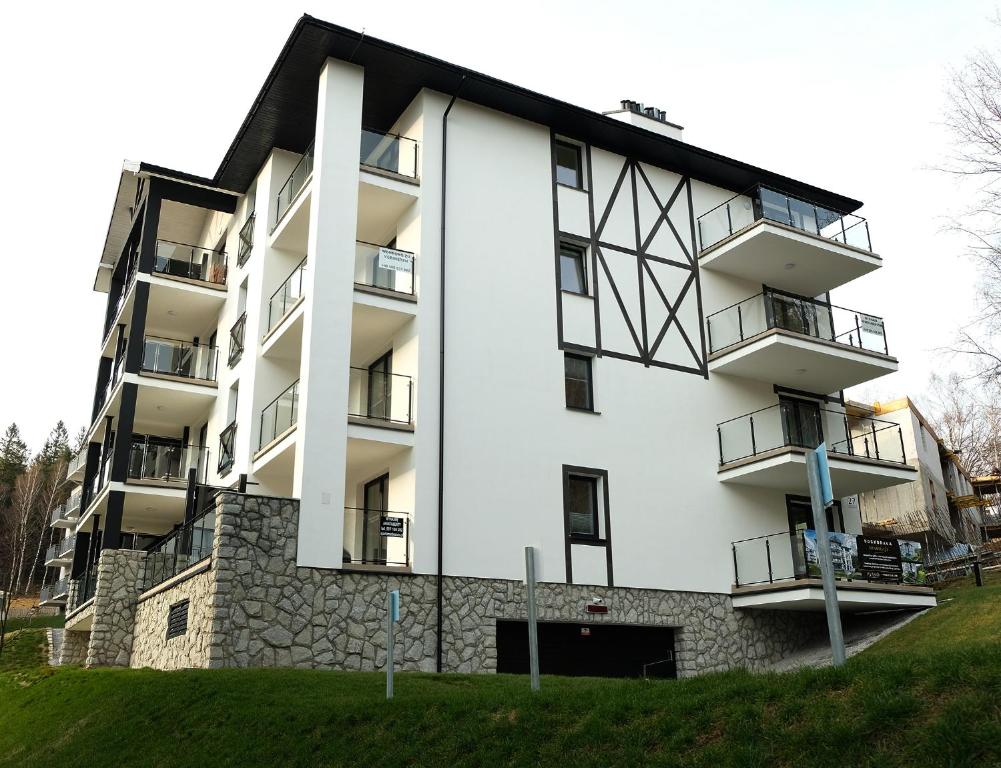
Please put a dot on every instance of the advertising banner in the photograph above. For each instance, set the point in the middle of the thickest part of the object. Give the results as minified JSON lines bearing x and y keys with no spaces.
{"x":879,"y":559}
{"x":912,"y":561}
{"x":844,"y":555}
{"x":391,"y":527}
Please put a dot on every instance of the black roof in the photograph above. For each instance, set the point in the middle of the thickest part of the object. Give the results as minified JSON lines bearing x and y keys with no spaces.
{"x":284,"y":113}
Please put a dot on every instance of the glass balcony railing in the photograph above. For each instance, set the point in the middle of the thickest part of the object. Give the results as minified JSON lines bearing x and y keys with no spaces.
{"x":162,"y":459}
{"x":279,"y":415}
{"x":376,"y":537}
{"x":237,"y":339}
{"x":288,"y":293}
{"x":294,"y":183}
{"x":179,"y":358}
{"x":227,"y":449}
{"x":68,"y":510}
{"x":389,"y":152}
{"x":246,"y":238}
{"x":803,"y":424}
{"x":61,"y":550}
{"x":116,"y":376}
{"x":78,"y":462}
{"x":374,"y":394}
{"x":798,"y":314}
{"x":179,"y":549}
{"x":761,"y":202}
{"x":54,"y":592}
{"x":377,"y":266}
{"x":190,"y":262}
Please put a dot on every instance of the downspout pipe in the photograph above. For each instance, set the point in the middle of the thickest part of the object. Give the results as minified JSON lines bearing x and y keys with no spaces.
{"x":441,"y":384}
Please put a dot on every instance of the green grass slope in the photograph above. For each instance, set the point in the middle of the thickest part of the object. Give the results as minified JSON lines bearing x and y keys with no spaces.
{"x":928,"y":695}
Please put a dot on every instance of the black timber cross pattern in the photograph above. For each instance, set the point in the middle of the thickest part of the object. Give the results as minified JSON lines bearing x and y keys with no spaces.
{"x":648,"y":340}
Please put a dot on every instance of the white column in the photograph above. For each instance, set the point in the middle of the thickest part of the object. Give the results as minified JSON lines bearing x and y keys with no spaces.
{"x":326,"y":337}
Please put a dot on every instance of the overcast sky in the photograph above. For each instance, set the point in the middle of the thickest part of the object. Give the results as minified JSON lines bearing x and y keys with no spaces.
{"x":844,"y":96}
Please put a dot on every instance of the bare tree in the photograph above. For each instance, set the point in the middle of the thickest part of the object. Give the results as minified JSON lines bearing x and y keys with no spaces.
{"x":974,"y":119}
{"x":968,"y":418}
{"x":53,"y":493}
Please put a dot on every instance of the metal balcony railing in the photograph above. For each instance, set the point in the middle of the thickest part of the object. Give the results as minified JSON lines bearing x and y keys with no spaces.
{"x":799,"y":314}
{"x":184,"y":359}
{"x":78,"y":462}
{"x":294,"y":183}
{"x":761,"y":202}
{"x":279,"y":415}
{"x":378,"y":395}
{"x":164,"y":460}
{"x":191,"y":262}
{"x":377,"y":266}
{"x":376,"y":537}
{"x":389,"y":152}
{"x":288,"y":293}
{"x":246,"y":238}
{"x":797,"y":423}
{"x":237,"y":338}
{"x":179,"y":549}
{"x":54,"y":591}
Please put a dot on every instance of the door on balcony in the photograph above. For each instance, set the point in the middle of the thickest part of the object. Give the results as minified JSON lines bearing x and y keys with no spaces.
{"x":801,"y":424}
{"x":379,"y":374}
{"x":376,"y":493}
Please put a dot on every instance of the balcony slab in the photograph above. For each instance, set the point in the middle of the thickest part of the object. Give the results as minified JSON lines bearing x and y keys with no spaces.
{"x":808,"y":595}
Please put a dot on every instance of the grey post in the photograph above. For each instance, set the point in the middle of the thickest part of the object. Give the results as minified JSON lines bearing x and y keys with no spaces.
{"x":826,"y":565}
{"x":390,"y":642}
{"x":533,"y":628}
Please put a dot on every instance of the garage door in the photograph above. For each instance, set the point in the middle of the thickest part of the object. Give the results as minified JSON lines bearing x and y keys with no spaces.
{"x":598,"y":650}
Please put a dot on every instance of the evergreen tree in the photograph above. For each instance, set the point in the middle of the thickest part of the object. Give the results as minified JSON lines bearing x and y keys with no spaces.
{"x":13,"y":461}
{"x":57,"y":446}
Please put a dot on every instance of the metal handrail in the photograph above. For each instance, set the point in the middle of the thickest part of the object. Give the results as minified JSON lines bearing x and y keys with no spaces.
{"x":286,"y":190}
{"x":380,"y":162}
{"x":187,"y":545}
{"x":365,"y":512}
{"x":214,"y":273}
{"x":363,"y":407}
{"x":177,"y":347}
{"x":284,"y":289}
{"x":293,"y":414}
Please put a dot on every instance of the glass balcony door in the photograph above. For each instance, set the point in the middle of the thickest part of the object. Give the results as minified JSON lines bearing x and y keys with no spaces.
{"x":374,"y":547}
{"x":379,"y":387}
{"x":801,"y":423}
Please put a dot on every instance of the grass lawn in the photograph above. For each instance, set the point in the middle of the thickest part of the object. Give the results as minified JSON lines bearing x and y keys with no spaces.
{"x":928,"y":695}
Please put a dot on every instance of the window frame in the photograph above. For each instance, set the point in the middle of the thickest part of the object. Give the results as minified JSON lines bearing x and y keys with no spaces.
{"x":578,"y":151}
{"x":581,"y":251}
{"x":593,"y":481}
{"x":589,"y":362}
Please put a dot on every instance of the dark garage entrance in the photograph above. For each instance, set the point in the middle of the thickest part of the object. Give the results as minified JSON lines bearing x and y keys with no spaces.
{"x":598,"y":650}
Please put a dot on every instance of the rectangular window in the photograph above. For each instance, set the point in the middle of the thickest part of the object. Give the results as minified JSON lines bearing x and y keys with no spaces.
{"x":579,"y":384}
{"x":568,"y":165}
{"x":177,"y":619}
{"x":573,"y":273}
{"x":581,"y":504}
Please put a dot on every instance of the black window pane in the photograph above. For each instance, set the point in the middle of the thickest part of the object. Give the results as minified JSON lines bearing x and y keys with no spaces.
{"x":577,"y":374}
{"x":581,"y":496}
{"x":572,"y":276}
{"x":568,"y":170}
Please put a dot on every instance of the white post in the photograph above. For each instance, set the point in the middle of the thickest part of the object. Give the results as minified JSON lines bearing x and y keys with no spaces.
{"x":533,"y":629}
{"x":824,"y":556}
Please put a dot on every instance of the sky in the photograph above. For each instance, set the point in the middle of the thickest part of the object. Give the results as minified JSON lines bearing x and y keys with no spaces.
{"x":849,"y":97}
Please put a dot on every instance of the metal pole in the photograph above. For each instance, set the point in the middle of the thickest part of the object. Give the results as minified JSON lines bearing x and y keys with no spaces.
{"x":390,"y":642}
{"x":533,"y":628}
{"x":826,"y":566}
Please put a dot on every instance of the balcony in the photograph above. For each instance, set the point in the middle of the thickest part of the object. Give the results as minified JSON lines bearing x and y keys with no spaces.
{"x":279,"y":417}
{"x":246,"y":238}
{"x":798,"y":342}
{"x":782,"y":571}
{"x":386,"y":270}
{"x":104,"y":396}
{"x":183,"y":360}
{"x":286,"y":298}
{"x":227,"y":449}
{"x":293,"y":185}
{"x":179,"y":550}
{"x":162,"y":461}
{"x":378,"y":398}
{"x":389,"y":153}
{"x":237,"y":338}
{"x":767,"y":448}
{"x":66,"y":514}
{"x":190,"y":263}
{"x":769,"y":237}
{"x":77,"y":465}
{"x":54,"y":594}
{"x":376,"y":539}
{"x":61,"y":552}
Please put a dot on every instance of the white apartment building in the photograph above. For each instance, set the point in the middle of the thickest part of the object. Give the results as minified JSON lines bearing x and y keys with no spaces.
{"x":420,"y":319}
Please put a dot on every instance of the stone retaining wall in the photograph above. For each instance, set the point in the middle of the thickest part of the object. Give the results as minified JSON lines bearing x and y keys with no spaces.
{"x":151,"y":648}
{"x":119,"y":579}
{"x":74,"y":647}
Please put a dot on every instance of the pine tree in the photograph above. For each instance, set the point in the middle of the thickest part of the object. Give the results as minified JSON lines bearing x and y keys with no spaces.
{"x":13,"y":461}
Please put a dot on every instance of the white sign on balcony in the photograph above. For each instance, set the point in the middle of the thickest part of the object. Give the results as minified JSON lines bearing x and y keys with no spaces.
{"x":871,"y":324}
{"x":397,"y":261}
